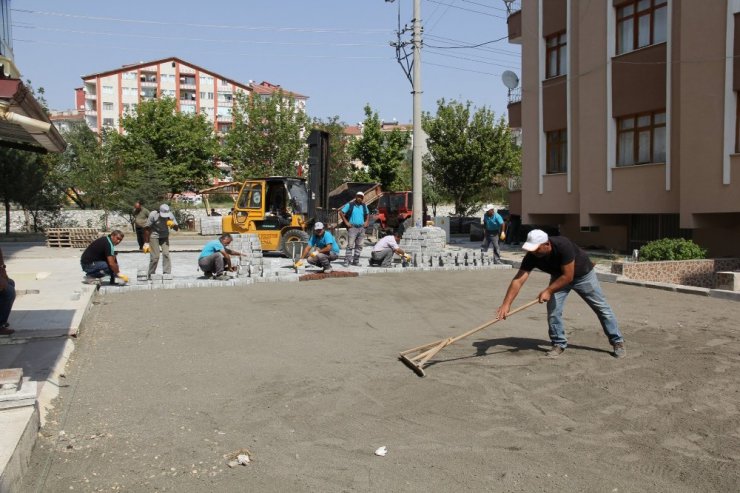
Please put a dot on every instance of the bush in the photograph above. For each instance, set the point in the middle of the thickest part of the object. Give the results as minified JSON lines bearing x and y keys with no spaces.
{"x":671,"y":249}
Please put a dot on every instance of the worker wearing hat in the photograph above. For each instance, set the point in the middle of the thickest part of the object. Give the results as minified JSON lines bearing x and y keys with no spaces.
{"x":157,"y":230}
{"x":322,"y":248}
{"x":356,"y":216}
{"x":493,"y":226}
{"x":570,"y":269}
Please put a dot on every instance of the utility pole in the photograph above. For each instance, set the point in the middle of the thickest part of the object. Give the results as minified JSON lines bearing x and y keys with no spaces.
{"x":413,"y":73}
{"x":416,"y":171}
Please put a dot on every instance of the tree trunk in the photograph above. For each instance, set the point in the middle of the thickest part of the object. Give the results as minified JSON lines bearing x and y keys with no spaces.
{"x":7,"y":216}
{"x":26,"y":220}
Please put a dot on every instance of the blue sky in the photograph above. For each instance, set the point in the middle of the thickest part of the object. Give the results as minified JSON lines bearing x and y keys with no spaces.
{"x":336,"y":52}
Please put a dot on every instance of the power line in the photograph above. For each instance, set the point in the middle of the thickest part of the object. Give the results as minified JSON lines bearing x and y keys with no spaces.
{"x":468,"y":10}
{"x":209,"y":26}
{"x":483,"y":48}
{"x":462,"y":69}
{"x":486,"y":5}
{"x":272,"y":55}
{"x":474,"y":60}
{"x":183,"y":38}
{"x":468,"y":46}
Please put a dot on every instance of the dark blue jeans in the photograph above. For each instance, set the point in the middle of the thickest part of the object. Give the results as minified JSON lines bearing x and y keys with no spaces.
{"x":98,"y":269}
{"x":7,"y":297}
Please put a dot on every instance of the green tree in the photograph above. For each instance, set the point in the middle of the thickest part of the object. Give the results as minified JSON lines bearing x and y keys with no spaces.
{"x":81,"y":169}
{"x":340,"y":162}
{"x":167,"y":145}
{"x":382,"y":152}
{"x":28,"y":181}
{"x":267,"y":136}
{"x":467,"y":151}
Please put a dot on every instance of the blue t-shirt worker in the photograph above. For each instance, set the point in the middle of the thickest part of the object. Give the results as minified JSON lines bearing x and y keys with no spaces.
{"x":322,"y":248}
{"x":355,"y":216}
{"x":215,"y":258}
{"x":493,"y":225}
{"x":570,"y":269}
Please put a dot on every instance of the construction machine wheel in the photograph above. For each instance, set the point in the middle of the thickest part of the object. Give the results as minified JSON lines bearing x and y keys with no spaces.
{"x":293,"y":241}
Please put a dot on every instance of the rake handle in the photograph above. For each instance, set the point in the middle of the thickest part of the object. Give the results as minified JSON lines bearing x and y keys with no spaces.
{"x":492,"y":321}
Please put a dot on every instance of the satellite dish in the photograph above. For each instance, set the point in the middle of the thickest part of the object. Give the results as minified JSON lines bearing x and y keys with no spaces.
{"x":510,"y":79}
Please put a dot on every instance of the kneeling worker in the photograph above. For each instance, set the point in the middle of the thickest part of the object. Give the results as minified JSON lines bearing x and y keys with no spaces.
{"x":215,"y":258}
{"x":323,"y":248}
{"x":382,"y":254}
{"x":99,"y":259}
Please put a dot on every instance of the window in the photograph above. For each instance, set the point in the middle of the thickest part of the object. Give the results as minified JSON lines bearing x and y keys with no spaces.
{"x":107,"y":122}
{"x":206,"y":95}
{"x":641,"y":23}
{"x":108,"y":106}
{"x":556,"y":54}
{"x":107,"y":89}
{"x":557,"y":151}
{"x":641,"y":139}
{"x":187,"y":109}
{"x":129,"y":76}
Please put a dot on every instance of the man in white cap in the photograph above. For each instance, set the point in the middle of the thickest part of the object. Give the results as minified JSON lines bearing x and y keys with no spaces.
{"x":157,"y":231}
{"x":356,"y":216}
{"x":492,"y":227}
{"x":322,"y":248}
{"x":570,"y":269}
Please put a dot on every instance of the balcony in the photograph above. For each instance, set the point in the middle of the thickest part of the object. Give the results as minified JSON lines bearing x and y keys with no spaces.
{"x":514,"y":107}
{"x":90,"y":95}
{"x":514,"y":21}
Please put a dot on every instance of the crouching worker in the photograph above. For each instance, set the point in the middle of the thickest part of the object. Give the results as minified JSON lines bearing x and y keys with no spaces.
{"x":382,"y":254}
{"x":322,"y":248}
{"x":215,"y":258}
{"x":99,"y":259}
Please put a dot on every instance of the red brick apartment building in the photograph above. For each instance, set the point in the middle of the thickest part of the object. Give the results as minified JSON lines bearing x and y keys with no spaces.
{"x":629,"y":117}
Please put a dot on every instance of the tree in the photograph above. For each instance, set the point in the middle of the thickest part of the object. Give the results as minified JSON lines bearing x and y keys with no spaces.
{"x":27,"y":181}
{"x":467,"y":152}
{"x":267,"y":136}
{"x":382,"y":152}
{"x":340,"y":163}
{"x":158,"y":141}
{"x":81,"y":169}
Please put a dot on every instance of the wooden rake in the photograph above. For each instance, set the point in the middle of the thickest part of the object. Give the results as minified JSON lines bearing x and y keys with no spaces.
{"x":427,"y":351}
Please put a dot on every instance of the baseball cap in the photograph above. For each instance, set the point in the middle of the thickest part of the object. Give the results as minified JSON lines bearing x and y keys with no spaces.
{"x":535,"y":238}
{"x":361,"y":194}
{"x":318,"y":226}
{"x":164,"y":211}
{"x":488,"y":207}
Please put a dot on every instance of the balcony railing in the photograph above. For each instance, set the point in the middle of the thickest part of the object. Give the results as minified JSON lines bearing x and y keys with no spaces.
{"x":513,"y":6}
{"x":515,"y":95}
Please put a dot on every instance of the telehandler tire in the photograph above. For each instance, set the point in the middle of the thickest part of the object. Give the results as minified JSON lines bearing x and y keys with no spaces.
{"x":289,"y":238}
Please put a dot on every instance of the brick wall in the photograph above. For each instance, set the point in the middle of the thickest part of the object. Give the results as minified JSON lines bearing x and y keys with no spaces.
{"x":699,"y":273}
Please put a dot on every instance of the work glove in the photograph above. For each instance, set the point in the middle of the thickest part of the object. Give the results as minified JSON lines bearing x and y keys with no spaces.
{"x":170,"y":223}
{"x":146,"y":248}
{"x":502,"y":236}
{"x":299,"y":263}
{"x":123,"y":277}
{"x":314,"y":253}
{"x":407,"y":257}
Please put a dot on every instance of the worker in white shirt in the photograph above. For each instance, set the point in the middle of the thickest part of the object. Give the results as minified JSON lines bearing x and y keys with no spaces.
{"x":382,"y":254}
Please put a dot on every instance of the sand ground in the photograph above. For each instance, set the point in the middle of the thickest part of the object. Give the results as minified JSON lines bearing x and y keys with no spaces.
{"x":305,"y":375}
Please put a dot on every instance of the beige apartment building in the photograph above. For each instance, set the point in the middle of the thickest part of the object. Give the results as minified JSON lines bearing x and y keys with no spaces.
{"x":629,"y":117}
{"x":106,"y":96}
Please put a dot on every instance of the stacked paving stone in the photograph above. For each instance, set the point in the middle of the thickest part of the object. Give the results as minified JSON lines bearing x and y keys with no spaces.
{"x":424,"y":244}
{"x":211,"y":225}
{"x":250,"y":263}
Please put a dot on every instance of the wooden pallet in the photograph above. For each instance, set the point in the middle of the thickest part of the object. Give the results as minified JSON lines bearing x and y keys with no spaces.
{"x":70,"y":237}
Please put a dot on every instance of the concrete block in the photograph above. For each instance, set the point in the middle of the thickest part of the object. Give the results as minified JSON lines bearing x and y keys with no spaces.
{"x":692,"y":290}
{"x":11,"y":380}
{"x":25,"y":395}
{"x":724,"y":294}
{"x":728,"y":281}
{"x":20,"y":427}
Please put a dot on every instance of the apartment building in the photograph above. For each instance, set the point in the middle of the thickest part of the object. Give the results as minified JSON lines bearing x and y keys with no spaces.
{"x":106,"y":96}
{"x":629,"y":116}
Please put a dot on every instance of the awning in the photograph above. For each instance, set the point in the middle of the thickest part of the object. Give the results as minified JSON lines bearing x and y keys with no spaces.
{"x":20,"y":101}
